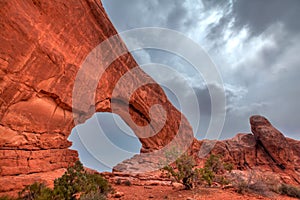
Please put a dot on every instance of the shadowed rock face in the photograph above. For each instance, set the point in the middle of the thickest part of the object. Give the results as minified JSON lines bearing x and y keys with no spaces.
{"x":43,"y":44}
{"x":273,"y":141}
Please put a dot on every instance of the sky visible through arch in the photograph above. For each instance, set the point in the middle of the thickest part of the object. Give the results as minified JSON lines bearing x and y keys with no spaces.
{"x":255,"y":45}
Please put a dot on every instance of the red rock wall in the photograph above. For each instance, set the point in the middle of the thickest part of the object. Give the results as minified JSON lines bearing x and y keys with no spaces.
{"x":42,"y":44}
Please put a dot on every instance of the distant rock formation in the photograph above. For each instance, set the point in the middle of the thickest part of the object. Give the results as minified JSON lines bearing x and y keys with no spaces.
{"x":42,"y":45}
{"x":265,"y":149}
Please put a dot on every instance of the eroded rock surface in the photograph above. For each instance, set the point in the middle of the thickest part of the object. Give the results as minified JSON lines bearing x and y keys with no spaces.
{"x":42,"y":46}
{"x":273,"y":141}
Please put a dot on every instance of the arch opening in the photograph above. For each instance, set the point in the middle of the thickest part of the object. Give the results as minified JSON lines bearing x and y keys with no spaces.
{"x":104,"y":141}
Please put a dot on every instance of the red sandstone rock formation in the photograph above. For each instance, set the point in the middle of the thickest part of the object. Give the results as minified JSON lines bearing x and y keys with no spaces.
{"x":266,"y":150}
{"x":42,"y":45}
{"x":274,"y":142}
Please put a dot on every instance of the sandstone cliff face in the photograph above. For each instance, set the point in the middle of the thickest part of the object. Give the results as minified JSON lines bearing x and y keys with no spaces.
{"x":42,"y":45}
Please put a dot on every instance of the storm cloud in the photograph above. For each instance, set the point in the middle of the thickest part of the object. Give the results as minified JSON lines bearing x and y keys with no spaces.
{"x":253,"y":43}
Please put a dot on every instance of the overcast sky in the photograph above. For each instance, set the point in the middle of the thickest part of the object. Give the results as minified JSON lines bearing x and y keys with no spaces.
{"x":255,"y":45}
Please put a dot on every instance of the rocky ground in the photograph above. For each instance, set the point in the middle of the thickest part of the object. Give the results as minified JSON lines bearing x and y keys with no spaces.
{"x":168,"y":192}
{"x":153,"y":186}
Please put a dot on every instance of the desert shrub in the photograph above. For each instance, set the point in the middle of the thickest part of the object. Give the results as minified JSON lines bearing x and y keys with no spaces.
{"x":36,"y":191}
{"x":183,"y":171}
{"x":71,"y":183}
{"x":256,"y":182}
{"x":246,"y":184}
{"x":241,"y":187}
{"x":260,"y":187}
{"x":214,"y":170}
{"x":273,"y":182}
{"x":290,"y":190}
{"x":95,"y":182}
{"x":118,"y":182}
{"x":127,"y":183}
{"x":214,"y":164}
{"x":207,"y":175}
{"x":228,"y":166}
{"x":6,"y":198}
{"x":222,"y":180}
{"x":77,"y":180}
{"x":93,"y":196}
{"x":75,"y":183}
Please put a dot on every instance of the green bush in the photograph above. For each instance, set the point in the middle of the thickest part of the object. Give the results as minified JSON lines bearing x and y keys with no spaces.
{"x":290,"y":190}
{"x":77,"y":180}
{"x":207,"y":175}
{"x":214,"y":164}
{"x":71,"y":183}
{"x":36,"y":191}
{"x":183,"y":171}
{"x":228,"y":166}
{"x":118,"y":182}
{"x":214,"y":170}
{"x":75,"y":183}
{"x":127,"y":183}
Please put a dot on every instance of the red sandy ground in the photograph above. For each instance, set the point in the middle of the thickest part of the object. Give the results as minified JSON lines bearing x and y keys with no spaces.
{"x":167,"y":192}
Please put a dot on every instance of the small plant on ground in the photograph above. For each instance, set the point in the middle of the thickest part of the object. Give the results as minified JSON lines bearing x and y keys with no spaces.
{"x":36,"y":191}
{"x":183,"y":171}
{"x":256,"y":182}
{"x":118,"y":182}
{"x":290,"y":190}
{"x":207,"y":175}
{"x":127,"y":183}
{"x":228,"y":166}
{"x":214,"y":170}
{"x":77,"y":180}
{"x":244,"y":184}
{"x":93,"y":196}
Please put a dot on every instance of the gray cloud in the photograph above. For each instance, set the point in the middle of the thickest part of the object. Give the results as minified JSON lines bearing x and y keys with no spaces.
{"x":259,"y":15}
{"x":136,"y":14}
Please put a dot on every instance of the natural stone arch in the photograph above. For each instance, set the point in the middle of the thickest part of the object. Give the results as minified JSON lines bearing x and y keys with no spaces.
{"x":40,"y":55}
